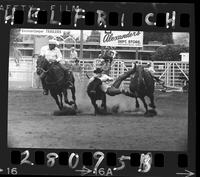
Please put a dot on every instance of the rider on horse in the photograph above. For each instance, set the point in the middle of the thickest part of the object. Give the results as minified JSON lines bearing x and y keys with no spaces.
{"x":107,"y":56}
{"x":108,"y":86}
{"x":53,"y":55}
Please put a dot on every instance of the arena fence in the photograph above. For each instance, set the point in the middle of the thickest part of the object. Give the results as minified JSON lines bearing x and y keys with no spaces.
{"x":173,"y":73}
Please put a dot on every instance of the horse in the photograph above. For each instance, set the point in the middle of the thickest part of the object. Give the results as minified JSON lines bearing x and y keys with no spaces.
{"x":95,"y":93}
{"x":142,"y":84}
{"x":56,"y":80}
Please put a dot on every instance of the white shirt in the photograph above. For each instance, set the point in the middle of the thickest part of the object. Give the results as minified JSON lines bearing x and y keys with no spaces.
{"x":151,"y":70}
{"x":73,"y":54}
{"x":115,"y":53}
{"x":106,"y":81}
{"x":54,"y":54}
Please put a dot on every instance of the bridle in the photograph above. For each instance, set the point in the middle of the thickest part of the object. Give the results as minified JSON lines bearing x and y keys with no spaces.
{"x":43,"y":71}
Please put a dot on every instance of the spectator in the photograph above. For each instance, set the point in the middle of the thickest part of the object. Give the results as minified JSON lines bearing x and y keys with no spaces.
{"x":73,"y":53}
{"x":17,"y":55}
{"x":106,"y":55}
{"x":113,"y":54}
{"x":76,"y":69}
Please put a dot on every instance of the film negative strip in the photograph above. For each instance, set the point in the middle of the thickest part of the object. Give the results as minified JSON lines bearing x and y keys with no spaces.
{"x":97,"y":88}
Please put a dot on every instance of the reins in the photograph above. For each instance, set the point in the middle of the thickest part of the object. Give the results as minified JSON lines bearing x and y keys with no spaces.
{"x":44,"y":71}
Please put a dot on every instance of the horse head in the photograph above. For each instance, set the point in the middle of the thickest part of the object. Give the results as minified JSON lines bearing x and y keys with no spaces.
{"x":42,"y":65}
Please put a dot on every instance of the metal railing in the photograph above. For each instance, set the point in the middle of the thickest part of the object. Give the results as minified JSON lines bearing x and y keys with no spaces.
{"x":171,"y":72}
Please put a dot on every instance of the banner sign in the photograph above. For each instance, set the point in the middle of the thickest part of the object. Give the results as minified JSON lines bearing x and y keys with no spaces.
{"x":47,"y":32}
{"x":121,"y":38}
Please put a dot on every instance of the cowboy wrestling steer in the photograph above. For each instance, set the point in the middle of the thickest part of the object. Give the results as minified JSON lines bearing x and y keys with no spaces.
{"x":101,"y":84}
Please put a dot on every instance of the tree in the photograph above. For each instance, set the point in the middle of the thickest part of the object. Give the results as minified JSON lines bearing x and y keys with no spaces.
{"x":165,"y":38}
{"x":66,"y":34}
{"x":181,"y":39}
{"x":169,"y":53}
{"x":15,"y":36}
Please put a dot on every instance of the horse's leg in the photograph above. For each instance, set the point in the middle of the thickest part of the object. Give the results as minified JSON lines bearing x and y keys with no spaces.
{"x":73,"y":91}
{"x":66,"y":97}
{"x":134,"y":95}
{"x":61,"y":101}
{"x":96,"y":109}
{"x":56,"y":99}
{"x":145,"y":105}
{"x":103,"y":104}
{"x":137,"y":105}
{"x":152,"y":104}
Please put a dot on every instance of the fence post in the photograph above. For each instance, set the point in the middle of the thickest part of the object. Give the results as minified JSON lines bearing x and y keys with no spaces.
{"x":33,"y":66}
{"x":173,"y":75}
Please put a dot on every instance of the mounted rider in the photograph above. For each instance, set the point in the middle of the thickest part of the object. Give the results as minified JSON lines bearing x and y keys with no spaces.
{"x":107,"y":55}
{"x":73,"y":53}
{"x":53,"y":54}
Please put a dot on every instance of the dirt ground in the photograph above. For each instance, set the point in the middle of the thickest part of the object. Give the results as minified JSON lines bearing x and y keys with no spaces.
{"x":31,"y":123}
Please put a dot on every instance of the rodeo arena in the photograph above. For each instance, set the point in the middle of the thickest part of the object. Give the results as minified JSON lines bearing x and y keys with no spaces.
{"x":113,"y":95}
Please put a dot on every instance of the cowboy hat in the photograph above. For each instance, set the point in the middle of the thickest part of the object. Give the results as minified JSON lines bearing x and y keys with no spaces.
{"x":53,"y":41}
{"x":77,"y":60}
{"x":98,"y":70}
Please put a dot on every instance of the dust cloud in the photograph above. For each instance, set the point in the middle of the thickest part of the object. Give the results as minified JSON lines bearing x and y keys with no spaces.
{"x":117,"y":104}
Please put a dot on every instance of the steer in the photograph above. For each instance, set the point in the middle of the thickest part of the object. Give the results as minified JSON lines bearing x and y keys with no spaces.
{"x":95,"y":93}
